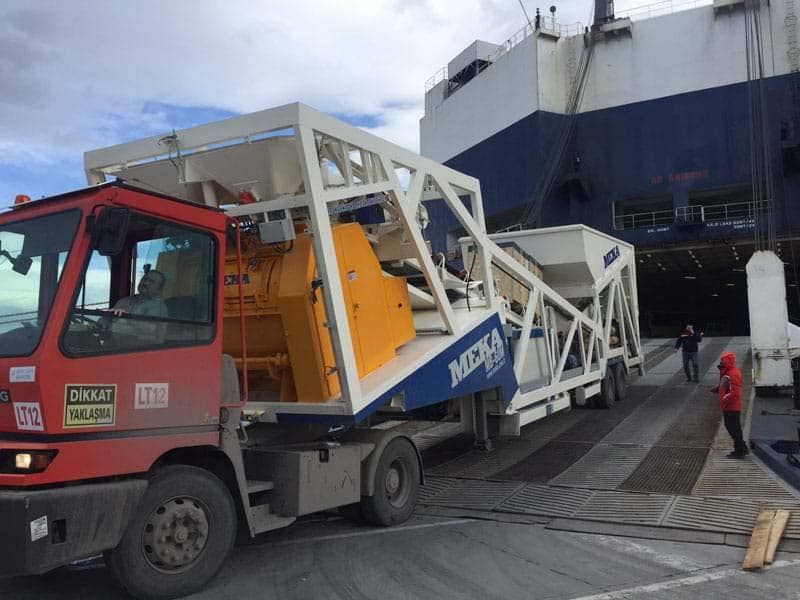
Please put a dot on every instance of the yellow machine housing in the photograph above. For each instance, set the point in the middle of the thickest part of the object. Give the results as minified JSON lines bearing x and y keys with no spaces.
{"x":289,"y":352}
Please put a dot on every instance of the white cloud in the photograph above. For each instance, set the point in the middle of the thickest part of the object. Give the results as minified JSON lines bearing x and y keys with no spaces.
{"x":77,"y":74}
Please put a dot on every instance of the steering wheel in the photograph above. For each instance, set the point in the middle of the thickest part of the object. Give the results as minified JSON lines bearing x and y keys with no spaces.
{"x":79,"y":318}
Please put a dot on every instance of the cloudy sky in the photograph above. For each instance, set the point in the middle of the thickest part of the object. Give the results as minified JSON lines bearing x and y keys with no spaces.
{"x":82,"y":74}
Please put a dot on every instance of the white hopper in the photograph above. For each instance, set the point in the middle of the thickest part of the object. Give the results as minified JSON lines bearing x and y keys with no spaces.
{"x":267,"y":168}
{"x":575,"y":259}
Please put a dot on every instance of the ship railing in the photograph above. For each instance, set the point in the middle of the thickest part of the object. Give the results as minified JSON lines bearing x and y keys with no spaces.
{"x":734,"y":211}
{"x":689,"y":214}
{"x":644,"y":219}
{"x":548,"y":25}
{"x":440,"y":75}
{"x":693,"y":214}
{"x":658,"y":9}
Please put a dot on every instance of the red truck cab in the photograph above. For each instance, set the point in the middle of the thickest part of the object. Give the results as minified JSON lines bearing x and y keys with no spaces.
{"x":109,"y":361}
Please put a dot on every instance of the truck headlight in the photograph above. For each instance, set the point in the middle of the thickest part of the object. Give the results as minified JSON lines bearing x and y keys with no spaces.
{"x":24,"y":460}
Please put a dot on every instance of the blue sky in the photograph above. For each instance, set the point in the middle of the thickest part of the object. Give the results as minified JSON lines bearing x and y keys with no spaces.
{"x":78,"y":75}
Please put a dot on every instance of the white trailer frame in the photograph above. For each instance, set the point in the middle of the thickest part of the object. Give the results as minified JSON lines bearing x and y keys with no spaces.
{"x":368,"y":164}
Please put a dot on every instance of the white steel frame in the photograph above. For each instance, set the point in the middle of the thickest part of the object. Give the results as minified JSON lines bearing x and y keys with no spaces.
{"x":369,"y":165}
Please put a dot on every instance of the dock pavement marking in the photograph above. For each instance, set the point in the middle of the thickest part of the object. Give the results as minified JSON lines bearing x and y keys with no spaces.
{"x":683,"y":582}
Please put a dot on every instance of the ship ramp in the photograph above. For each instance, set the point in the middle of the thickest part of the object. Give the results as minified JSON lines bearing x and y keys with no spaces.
{"x":655,"y":467}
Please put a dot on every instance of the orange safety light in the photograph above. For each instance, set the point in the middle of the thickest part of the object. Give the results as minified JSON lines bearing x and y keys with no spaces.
{"x":21,"y":199}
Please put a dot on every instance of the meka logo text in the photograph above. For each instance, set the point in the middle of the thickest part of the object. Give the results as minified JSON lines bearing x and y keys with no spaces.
{"x":487,"y":351}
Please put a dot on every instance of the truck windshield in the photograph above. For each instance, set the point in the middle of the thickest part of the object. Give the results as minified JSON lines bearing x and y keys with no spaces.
{"x":32,"y":255}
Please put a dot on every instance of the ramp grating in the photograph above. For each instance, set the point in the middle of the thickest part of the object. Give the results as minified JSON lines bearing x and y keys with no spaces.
{"x":696,"y":425}
{"x":552,"y":426}
{"x":434,"y":486}
{"x":649,"y":422}
{"x":617,"y":507}
{"x":657,"y":354}
{"x":546,"y":463}
{"x":604,"y":467}
{"x":473,"y":494}
{"x":667,"y":471}
{"x":720,"y":514}
{"x":739,"y":478}
{"x":545,"y":500}
{"x":482,"y":465}
{"x":599,"y":423}
{"x":500,"y":460}
{"x":793,"y":527}
{"x":446,"y":450}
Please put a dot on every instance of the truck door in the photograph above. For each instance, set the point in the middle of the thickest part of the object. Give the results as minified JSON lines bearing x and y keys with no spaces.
{"x":142,"y":332}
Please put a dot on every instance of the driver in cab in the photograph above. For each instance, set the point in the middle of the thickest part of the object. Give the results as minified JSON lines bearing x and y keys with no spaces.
{"x":147,"y":303}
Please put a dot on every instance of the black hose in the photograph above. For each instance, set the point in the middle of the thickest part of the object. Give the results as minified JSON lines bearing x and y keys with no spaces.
{"x":469,"y":276}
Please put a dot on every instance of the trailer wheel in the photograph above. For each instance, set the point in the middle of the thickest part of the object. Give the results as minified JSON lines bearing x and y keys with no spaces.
{"x":607,"y":396}
{"x":620,"y":384}
{"x":396,"y":486}
{"x":178,"y":537}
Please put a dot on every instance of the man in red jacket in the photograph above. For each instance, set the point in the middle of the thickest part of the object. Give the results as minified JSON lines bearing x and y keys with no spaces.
{"x":729,"y":391}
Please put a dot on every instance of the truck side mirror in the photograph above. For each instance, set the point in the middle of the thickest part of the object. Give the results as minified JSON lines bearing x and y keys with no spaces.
{"x":22,"y":264}
{"x":110,"y":230}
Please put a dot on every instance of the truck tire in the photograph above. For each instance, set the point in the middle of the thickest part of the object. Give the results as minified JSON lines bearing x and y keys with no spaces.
{"x":607,"y":397}
{"x":396,"y":486}
{"x":185,"y":504}
{"x":620,"y":384}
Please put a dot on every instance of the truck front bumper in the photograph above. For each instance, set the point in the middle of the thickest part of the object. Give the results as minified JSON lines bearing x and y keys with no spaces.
{"x":41,"y":530}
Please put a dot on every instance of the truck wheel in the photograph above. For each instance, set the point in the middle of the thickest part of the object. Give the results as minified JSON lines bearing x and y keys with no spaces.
{"x":178,"y":537}
{"x":396,"y":486}
{"x":607,"y":396}
{"x":620,"y":385}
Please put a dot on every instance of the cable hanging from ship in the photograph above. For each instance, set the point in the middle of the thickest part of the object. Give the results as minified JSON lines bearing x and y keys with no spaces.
{"x":758,"y":130}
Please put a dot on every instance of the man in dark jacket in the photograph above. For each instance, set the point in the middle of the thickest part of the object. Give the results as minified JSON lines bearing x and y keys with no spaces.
{"x":729,"y":391}
{"x":689,"y":340}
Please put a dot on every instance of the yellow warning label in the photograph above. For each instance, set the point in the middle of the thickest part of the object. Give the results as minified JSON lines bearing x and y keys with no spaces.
{"x":89,"y":405}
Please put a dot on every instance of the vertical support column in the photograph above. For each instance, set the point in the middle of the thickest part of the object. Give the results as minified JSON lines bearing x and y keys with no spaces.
{"x":328,"y":269}
{"x":482,"y":441}
{"x":467,"y":409}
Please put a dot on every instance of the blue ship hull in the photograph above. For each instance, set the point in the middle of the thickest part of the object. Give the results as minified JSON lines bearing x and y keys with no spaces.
{"x":693,"y":141}
{"x":673,"y":146}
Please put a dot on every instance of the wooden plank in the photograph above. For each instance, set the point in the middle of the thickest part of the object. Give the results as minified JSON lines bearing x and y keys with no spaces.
{"x":757,"y":550}
{"x":775,"y":534}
